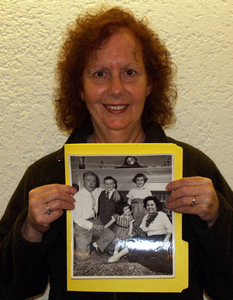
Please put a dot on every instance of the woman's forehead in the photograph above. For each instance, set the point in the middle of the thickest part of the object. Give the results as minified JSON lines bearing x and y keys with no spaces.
{"x":120,"y":40}
{"x":150,"y":202}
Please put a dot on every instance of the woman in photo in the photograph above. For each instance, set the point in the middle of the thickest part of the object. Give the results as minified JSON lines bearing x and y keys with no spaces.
{"x":156,"y":223}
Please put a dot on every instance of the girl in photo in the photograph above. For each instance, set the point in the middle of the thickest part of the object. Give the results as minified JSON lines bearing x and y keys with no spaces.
{"x":135,"y":198}
{"x":123,"y":228}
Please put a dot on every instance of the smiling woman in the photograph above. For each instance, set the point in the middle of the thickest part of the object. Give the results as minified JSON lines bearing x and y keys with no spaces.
{"x":90,"y":50}
{"x":115,"y":87}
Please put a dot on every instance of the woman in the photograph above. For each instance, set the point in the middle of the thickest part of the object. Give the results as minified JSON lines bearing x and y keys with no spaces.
{"x":115,"y":86}
{"x":156,"y":223}
{"x":158,"y":230}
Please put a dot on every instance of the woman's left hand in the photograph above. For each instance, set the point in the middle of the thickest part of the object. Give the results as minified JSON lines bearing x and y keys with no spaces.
{"x":194,"y":195}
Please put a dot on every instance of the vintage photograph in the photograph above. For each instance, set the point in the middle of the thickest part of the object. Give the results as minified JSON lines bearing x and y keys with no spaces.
{"x":121,"y":226}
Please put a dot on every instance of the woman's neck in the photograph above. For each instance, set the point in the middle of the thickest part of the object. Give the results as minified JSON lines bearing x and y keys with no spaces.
{"x":118,"y":136}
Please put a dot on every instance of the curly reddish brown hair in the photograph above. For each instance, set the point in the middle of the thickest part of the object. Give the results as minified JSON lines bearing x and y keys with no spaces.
{"x":84,"y":38}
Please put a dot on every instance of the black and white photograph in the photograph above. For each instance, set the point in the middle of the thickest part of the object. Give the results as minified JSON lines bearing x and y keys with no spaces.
{"x":120,"y":225}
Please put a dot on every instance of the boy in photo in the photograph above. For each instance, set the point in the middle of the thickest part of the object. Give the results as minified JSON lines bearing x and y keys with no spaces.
{"x":108,"y":200}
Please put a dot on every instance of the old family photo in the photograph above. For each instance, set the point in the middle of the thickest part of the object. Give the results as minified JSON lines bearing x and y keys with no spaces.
{"x":121,"y":226}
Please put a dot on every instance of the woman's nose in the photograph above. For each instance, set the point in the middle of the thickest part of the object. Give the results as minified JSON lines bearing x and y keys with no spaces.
{"x":116,"y":88}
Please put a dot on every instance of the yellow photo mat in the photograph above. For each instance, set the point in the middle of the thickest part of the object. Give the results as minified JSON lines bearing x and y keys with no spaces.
{"x":174,"y":284}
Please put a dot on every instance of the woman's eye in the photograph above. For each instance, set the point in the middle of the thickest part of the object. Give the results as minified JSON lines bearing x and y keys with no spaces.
{"x":99,"y":74}
{"x":130,"y":72}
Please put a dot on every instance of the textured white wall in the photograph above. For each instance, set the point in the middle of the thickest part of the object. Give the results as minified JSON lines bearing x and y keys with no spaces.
{"x":198,"y":34}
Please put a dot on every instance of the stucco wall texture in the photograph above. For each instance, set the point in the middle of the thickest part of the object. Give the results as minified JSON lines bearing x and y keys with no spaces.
{"x":199,"y":35}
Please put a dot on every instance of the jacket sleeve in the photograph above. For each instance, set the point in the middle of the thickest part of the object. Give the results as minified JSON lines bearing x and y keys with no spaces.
{"x":216,"y":249}
{"x":215,"y":244}
{"x":23,"y":268}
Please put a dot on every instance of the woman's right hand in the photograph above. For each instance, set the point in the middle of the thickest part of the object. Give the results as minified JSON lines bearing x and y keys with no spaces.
{"x":56,"y":197}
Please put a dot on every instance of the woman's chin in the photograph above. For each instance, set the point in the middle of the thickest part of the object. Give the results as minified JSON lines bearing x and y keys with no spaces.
{"x":117,"y":125}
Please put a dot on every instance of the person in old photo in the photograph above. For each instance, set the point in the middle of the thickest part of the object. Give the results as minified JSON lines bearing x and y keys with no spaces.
{"x":108,"y":200}
{"x":85,"y":219}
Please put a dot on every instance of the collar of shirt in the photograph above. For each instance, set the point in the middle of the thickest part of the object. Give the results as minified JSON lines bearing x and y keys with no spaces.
{"x":110,"y":192}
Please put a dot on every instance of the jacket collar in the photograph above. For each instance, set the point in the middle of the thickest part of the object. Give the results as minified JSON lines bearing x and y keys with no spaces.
{"x":155,"y":134}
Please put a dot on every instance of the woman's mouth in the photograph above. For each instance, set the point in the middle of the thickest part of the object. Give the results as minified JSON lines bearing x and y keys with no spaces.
{"x":119,"y":107}
{"x":116,"y":108}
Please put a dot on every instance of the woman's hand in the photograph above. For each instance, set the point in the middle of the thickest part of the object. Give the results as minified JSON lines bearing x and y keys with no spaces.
{"x":46,"y":204}
{"x":194,"y":195}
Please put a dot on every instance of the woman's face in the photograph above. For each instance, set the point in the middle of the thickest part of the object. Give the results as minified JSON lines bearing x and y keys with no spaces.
{"x":140,"y":182}
{"x":115,"y":85}
{"x":151,"y":206}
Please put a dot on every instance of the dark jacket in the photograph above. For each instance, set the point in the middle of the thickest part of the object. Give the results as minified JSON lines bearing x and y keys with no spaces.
{"x":26,"y":267}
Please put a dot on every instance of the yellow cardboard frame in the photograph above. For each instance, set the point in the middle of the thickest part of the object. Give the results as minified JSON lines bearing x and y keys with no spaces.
{"x":174,"y":284}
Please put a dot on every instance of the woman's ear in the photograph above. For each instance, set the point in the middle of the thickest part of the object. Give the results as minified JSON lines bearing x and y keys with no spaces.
{"x":148,"y":89}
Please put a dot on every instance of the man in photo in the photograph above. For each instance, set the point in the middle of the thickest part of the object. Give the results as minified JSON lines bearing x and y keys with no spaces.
{"x":86,"y":223}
